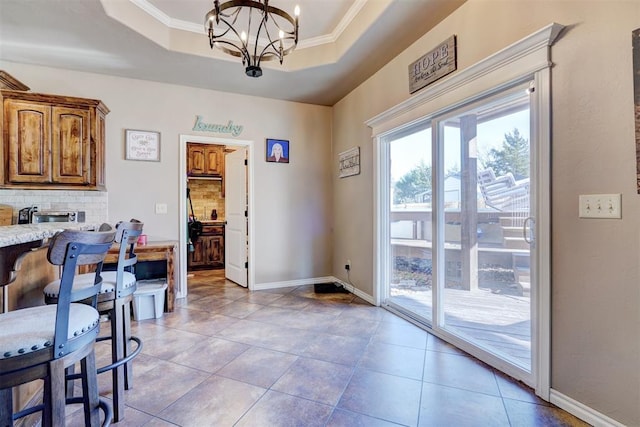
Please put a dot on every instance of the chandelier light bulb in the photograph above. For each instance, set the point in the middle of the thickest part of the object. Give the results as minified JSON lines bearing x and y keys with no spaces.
{"x":281,"y":35}
{"x":243,"y":36}
{"x":296,"y":11}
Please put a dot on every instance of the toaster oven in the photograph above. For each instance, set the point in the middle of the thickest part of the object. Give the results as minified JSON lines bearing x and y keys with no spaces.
{"x":57,"y":216}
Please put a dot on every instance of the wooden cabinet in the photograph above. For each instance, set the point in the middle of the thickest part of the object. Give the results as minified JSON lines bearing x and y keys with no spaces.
{"x":208,"y":250}
{"x":205,"y":160}
{"x":52,"y":141}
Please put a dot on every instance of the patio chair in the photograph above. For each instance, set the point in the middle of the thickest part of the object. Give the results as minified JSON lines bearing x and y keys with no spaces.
{"x":503,"y":193}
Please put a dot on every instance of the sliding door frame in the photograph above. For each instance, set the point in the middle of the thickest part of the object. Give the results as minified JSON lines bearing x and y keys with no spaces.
{"x":528,"y":59}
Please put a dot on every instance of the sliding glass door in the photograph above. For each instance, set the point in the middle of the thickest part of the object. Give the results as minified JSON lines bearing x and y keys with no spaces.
{"x":485,"y":288}
{"x":411,"y":220}
{"x":460,"y":228}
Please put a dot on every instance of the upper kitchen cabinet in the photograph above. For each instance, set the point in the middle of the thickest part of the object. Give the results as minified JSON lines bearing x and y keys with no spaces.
{"x":205,"y":160}
{"x":52,"y":142}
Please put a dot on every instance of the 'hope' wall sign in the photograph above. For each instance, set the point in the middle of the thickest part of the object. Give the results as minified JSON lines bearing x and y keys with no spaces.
{"x":434,"y":65}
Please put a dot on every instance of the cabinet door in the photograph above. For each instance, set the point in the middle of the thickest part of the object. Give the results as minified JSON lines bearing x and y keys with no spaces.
{"x":214,"y":160}
{"x":70,"y":145}
{"x":28,"y":125}
{"x":197,"y":258}
{"x":204,"y":160}
{"x":98,"y":138}
{"x":196,"y":159}
{"x":208,"y":249}
{"x":216,"y":251}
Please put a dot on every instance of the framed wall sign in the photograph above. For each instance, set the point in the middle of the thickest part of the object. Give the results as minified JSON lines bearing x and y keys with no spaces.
{"x":142,"y":145}
{"x":349,"y":162}
{"x":277,"y":150}
{"x":433,"y":66}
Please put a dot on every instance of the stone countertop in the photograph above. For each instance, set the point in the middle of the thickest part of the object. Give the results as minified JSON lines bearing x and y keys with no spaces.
{"x":23,"y":233}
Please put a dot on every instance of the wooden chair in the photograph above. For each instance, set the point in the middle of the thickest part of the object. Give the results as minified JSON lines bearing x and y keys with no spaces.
{"x":41,"y":342}
{"x":114,"y":300}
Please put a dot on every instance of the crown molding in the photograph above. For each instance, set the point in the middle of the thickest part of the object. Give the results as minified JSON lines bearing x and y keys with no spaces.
{"x":179,"y":24}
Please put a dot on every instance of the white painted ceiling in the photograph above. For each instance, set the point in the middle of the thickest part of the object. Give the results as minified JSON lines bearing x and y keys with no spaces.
{"x":342,"y":42}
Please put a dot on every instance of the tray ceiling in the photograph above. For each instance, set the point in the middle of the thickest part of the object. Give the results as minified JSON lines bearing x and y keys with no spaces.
{"x":342,"y":42}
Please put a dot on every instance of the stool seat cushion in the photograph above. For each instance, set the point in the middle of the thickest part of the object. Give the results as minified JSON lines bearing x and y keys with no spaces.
{"x":85,"y":280}
{"x":31,"y":329}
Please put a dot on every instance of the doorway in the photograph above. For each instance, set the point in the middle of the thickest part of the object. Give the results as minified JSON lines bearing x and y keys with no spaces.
{"x":182,"y":290}
{"x":460,"y":230}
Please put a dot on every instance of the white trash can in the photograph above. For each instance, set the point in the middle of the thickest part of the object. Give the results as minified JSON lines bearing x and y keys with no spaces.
{"x":148,"y":299}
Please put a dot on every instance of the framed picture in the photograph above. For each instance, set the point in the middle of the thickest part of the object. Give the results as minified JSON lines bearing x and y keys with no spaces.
{"x":349,"y":162}
{"x":277,"y":150}
{"x":142,"y":145}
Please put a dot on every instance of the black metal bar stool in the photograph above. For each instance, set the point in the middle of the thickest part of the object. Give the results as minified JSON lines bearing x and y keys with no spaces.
{"x":114,"y":300}
{"x":41,"y":342}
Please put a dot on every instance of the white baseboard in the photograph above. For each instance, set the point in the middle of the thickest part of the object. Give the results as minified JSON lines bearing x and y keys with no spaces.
{"x":290,"y":283}
{"x":312,"y":281}
{"x":582,"y":411}
{"x":357,"y":292}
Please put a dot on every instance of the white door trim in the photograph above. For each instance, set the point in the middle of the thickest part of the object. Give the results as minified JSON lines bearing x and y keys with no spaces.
{"x":541,"y":329}
{"x":182,"y":290}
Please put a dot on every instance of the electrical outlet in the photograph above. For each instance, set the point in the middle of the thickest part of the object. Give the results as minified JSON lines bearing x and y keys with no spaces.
{"x":161,"y":208}
{"x":347,"y":266}
{"x":600,"y":206}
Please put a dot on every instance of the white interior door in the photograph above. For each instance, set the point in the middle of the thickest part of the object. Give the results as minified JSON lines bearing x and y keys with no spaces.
{"x":235,"y":235}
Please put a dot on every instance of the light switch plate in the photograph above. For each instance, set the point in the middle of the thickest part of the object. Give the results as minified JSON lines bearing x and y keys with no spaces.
{"x":600,"y":206}
{"x":161,"y":208}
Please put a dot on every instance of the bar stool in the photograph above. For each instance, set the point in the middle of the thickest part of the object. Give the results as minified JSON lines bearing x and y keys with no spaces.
{"x":114,"y":300}
{"x":41,"y":342}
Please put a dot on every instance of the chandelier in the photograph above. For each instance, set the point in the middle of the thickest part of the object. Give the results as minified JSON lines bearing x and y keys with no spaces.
{"x":252,"y":30}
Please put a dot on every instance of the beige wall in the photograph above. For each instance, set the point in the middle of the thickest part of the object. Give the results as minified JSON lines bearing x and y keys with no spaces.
{"x":292,"y":201}
{"x":302,"y":206}
{"x":595,"y":263}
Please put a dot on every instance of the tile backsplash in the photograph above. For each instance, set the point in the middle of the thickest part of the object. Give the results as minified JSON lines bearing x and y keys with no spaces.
{"x":94,"y":203}
{"x":206,"y":195}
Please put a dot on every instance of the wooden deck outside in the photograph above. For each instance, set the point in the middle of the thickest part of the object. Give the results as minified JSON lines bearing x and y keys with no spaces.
{"x":494,"y":313}
{"x":499,"y":323}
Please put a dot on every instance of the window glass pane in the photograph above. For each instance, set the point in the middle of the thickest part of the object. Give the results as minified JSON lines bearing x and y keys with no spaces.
{"x":486,"y":283}
{"x":410,"y":216}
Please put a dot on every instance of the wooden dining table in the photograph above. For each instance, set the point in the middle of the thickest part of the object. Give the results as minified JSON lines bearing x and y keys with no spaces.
{"x":155,"y":251}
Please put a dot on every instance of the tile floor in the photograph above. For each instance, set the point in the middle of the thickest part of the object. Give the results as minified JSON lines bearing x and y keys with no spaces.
{"x":290,"y":357}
